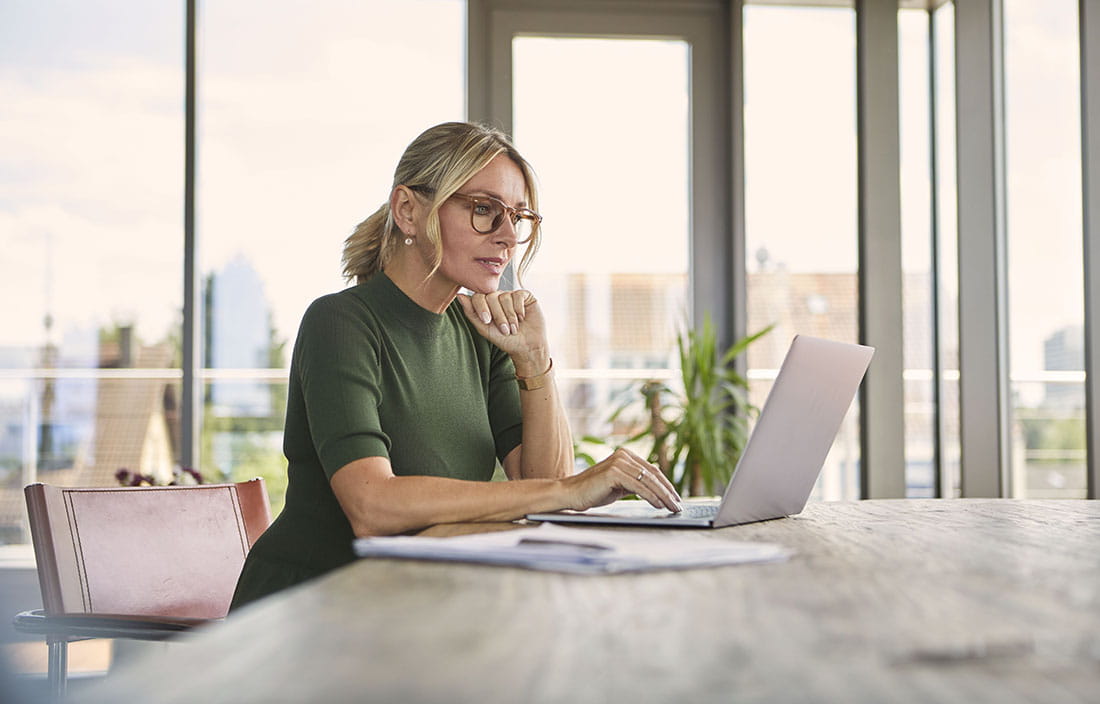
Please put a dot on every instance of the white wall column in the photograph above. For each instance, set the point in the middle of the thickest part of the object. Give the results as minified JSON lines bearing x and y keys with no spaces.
{"x":983,"y":343}
{"x":882,"y":398}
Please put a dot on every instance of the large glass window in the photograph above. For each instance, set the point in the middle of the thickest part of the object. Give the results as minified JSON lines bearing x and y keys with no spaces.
{"x":930,"y":279}
{"x":91,"y":191}
{"x":1045,"y":283}
{"x":610,"y":146}
{"x":302,"y":120}
{"x":801,"y":197}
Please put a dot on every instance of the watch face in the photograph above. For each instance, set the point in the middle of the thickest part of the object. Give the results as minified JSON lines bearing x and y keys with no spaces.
{"x":530,"y":383}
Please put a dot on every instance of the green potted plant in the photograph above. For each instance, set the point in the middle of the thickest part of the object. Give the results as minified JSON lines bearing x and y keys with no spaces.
{"x":700,"y":429}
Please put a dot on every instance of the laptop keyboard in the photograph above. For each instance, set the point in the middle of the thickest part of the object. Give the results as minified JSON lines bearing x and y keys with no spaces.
{"x":696,"y":511}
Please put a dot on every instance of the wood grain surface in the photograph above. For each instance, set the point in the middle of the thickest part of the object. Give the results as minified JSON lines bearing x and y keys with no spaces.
{"x":884,"y":601}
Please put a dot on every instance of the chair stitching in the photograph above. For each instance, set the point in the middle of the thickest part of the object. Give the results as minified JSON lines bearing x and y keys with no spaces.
{"x":81,"y":569}
{"x":242,"y":533}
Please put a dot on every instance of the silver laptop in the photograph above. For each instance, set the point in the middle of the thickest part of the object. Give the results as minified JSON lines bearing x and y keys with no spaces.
{"x":784,"y":455}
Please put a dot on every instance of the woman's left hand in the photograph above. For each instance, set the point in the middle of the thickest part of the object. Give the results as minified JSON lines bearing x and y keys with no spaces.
{"x":511,"y":320}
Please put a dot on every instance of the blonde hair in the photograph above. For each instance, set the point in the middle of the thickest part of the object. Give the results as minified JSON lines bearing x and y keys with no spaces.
{"x":438,"y":161}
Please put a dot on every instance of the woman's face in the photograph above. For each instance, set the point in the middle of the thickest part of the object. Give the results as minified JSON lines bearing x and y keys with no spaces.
{"x":471,"y":259}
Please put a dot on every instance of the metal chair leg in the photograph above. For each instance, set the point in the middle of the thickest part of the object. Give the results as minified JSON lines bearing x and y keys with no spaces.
{"x":58,"y":668}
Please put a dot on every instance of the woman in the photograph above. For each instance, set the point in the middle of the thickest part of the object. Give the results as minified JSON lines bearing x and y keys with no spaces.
{"x":404,"y":392}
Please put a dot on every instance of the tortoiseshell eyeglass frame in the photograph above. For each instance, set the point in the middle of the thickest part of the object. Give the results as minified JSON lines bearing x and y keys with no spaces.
{"x":514,"y":214}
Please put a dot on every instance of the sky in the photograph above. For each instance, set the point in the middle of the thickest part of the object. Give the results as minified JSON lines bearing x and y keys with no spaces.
{"x":304,"y":115}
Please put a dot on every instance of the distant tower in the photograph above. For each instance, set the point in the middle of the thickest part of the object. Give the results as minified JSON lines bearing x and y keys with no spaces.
{"x":239,"y":338}
{"x":1064,"y":351}
{"x":763,"y":258}
{"x":48,"y":360}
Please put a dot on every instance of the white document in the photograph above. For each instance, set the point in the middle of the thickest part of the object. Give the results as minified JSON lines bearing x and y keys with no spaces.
{"x":578,"y":550}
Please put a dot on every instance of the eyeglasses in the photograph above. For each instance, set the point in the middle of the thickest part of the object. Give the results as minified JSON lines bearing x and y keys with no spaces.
{"x":487,"y":214}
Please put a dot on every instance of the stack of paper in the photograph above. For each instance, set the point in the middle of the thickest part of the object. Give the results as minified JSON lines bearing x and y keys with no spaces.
{"x":579,"y":550}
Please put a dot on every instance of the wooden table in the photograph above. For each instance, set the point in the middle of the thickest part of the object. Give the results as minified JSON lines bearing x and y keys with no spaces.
{"x":885,"y":601}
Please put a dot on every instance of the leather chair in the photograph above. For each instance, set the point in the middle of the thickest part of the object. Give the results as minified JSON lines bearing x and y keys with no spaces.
{"x":136,"y":562}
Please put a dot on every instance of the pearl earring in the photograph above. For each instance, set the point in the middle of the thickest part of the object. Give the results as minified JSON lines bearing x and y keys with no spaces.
{"x":408,"y":241}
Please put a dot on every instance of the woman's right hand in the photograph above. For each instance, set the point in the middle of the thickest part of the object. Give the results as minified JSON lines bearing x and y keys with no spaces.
{"x":623,"y":473}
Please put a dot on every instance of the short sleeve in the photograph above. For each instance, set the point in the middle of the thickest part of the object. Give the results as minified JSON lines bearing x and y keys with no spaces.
{"x":338,"y":366}
{"x":505,"y":412}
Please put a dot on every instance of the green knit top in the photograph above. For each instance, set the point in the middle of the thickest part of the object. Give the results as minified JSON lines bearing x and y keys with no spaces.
{"x":375,"y":375}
